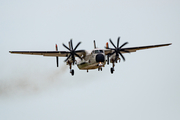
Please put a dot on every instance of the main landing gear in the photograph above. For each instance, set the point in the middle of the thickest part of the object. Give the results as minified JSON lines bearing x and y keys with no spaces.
{"x":71,"y":70}
{"x":112,"y":69}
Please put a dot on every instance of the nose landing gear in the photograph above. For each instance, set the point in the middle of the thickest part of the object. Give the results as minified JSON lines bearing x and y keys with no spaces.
{"x":99,"y":69}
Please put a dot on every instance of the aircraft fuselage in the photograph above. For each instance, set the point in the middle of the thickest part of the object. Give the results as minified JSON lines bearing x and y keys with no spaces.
{"x":93,"y":60}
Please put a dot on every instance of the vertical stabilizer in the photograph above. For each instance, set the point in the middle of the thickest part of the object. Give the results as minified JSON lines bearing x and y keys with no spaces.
{"x":94,"y":44}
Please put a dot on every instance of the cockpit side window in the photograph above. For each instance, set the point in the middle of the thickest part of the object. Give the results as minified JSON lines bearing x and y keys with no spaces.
{"x":98,"y":51}
{"x":101,"y":51}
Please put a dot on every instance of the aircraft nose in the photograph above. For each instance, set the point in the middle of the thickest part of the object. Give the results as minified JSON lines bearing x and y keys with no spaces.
{"x":100,"y":58}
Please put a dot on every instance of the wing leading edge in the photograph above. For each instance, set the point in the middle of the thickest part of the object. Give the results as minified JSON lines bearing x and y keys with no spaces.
{"x":48,"y":53}
{"x":134,"y":49}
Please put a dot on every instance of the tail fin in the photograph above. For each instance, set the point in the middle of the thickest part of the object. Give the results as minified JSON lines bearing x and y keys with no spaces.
{"x":94,"y":44}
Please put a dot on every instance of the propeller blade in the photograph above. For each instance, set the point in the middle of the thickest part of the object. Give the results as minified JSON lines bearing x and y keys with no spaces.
{"x":71,"y":44}
{"x":122,"y":56}
{"x":77,"y":45}
{"x":57,"y":61}
{"x":67,"y":58}
{"x":118,"y":41}
{"x":66,"y":47}
{"x":112,"y":43}
{"x":123,"y":44}
{"x":78,"y":56}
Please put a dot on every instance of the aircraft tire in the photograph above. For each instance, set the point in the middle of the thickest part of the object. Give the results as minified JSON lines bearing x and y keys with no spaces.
{"x":112,"y":70}
{"x":72,"y":72}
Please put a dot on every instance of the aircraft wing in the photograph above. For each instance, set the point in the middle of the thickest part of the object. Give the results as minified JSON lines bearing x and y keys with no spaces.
{"x":134,"y":49}
{"x":49,"y":53}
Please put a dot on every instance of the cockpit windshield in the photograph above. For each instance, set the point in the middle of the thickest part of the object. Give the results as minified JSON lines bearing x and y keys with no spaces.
{"x":98,"y":51}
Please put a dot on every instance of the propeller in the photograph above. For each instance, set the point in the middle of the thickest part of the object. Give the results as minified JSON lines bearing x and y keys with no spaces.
{"x":72,"y":51}
{"x":117,"y":49}
{"x":57,"y":59}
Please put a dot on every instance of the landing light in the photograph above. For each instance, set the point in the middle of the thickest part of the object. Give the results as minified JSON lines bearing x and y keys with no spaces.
{"x":100,"y":64}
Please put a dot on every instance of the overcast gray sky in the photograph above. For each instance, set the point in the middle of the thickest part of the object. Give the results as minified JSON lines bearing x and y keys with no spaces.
{"x":145,"y":87}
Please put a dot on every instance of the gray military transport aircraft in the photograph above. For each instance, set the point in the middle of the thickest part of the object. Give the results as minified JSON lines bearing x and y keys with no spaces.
{"x":93,"y":59}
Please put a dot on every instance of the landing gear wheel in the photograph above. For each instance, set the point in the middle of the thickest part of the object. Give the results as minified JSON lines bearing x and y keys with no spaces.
{"x":99,"y":69}
{"x":112,"y":70}
{"x":72,"y":72}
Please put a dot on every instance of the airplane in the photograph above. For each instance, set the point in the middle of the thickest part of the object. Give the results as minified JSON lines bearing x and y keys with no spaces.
{"x":93,"y":59}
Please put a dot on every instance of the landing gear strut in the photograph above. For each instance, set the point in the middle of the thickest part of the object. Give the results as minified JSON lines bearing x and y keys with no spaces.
{"x":71,"y":70}
{"x":99,"y":69}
